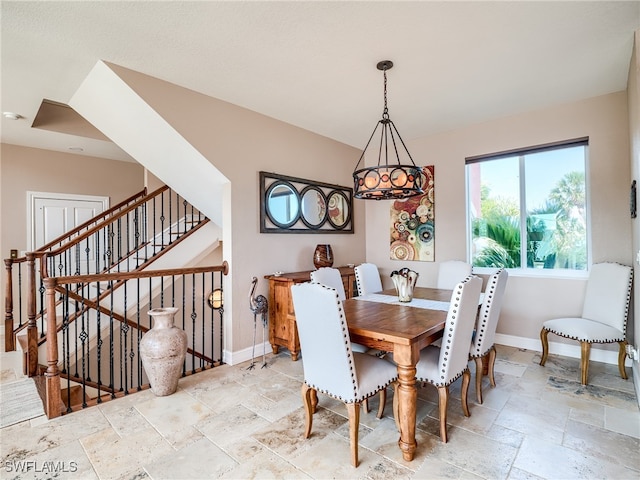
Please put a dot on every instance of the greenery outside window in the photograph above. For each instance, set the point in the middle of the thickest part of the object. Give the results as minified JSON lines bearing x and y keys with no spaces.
{"x":527,"y":208}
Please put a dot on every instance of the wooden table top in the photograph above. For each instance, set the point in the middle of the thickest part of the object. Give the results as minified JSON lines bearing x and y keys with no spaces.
{"x":381,"y":325}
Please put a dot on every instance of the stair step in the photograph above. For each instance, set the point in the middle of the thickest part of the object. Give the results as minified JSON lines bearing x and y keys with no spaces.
{"x":72,"y":395}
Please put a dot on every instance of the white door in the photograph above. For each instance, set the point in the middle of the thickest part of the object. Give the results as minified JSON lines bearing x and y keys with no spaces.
{"x":53,"y":214}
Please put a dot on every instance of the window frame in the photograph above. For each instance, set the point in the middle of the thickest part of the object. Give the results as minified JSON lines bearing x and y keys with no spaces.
{"x":521,"y":152}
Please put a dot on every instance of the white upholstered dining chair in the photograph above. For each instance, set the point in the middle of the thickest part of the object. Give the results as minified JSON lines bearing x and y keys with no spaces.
{"x":368,"y":278}
{"x":330,"y":365}
{"x":482,"y":344}
{"x":451,"y":272}
{"x":603,"y":319}
{"x":441,"y":366}
{"x":331,"y":277}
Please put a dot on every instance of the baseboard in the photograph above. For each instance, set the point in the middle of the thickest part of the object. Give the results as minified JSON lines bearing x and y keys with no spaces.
{"x":636,"y":381}
{"x":240,"y":356}
{"x":564,"y":349}
{"x":556,"y":348}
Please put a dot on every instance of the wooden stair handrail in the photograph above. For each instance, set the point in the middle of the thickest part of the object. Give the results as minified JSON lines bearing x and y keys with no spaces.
{"x":111,"y":219}
{"x":105,"y":277}
{"x":106,"y":213}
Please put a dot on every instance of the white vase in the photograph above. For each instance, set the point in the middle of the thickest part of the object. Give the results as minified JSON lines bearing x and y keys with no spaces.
{"x":163,"y":350}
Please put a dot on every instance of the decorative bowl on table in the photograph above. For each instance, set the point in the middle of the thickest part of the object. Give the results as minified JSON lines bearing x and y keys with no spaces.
{"x":278,"y":273}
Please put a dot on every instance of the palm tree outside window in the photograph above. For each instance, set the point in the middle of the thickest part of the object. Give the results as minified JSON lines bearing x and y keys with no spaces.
{"x":527,"y":208}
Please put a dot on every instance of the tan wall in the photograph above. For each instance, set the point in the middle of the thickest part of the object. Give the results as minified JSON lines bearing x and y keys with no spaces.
{"x":633,"y":94}
{"x":240,"y":143}
{"x":529,"y":301}
{"x":31,"y":169}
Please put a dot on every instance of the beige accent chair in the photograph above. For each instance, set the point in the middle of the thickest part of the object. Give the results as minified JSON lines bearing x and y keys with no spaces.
{"x":604,"y":315}
{"x":451,"y":272}
{"x":441,"y":366}
{"x":368,"y":279}
{"x":483,"y":342}
{"x":330,"y":366}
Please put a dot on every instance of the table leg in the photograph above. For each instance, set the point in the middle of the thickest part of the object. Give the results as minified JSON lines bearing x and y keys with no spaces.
{"x":406,"y":359}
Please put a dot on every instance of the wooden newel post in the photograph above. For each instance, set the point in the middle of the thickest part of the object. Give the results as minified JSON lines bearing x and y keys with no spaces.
{"x":53,"y":401}
{"x":9,"y":340}
{"x":31,"y":367}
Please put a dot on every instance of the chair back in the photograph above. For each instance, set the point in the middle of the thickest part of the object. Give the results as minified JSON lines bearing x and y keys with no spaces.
{"x":456,"y":338}
{"x":328,"y":362}
{"x":489,"y":312}
{"x":331,"y":278}
{"x":608,"y":294}
{"x":451,"y":272}
{"x":368,"y":278}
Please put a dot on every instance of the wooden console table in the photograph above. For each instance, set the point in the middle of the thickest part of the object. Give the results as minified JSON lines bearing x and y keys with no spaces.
{"x":282,"y":320}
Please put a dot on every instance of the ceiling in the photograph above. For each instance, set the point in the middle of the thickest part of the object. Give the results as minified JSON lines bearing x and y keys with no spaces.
{"x":313,"y":64}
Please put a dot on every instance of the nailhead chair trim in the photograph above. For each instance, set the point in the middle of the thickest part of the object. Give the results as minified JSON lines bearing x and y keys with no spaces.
{"x":483,"y":343}
{"x":603,"y":320}
{"x":330,"y":365}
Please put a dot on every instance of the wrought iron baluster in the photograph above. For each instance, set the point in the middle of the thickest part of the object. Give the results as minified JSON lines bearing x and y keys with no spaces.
{"x":119,"y":235}
{"x":202,"y":300}
{"x":184,"y":228}
{"x":162,"y":219}
{"x":128,"y":241}
{"x":221,"y":310}
{"x":124,"y":328}
{"x":87,"y":251}
{"x":193,"y":321}
{"x":212,"y":320}
{"x":138,"y":338}
{"x":98,"y":253}
{"x":99,"y":340}
{"x":66,"y":347}
{"x":111,"y":345}
{"x":83,"y":342}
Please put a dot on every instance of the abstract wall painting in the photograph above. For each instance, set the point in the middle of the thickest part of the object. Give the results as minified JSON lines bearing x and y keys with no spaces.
{"x":412,"y":225}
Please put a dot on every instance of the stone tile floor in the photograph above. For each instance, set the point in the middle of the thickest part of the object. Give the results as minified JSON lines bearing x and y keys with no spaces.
{"x":230,"y":422}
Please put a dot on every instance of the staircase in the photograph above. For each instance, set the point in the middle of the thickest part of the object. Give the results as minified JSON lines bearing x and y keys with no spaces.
{"x":99,"y":281}
{"x":16,"y":408}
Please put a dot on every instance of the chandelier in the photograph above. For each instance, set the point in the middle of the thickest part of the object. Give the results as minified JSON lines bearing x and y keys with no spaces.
{"x":387,"y":181}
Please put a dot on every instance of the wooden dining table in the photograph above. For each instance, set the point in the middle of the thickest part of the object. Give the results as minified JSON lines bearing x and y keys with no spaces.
{"x":404,"y":330}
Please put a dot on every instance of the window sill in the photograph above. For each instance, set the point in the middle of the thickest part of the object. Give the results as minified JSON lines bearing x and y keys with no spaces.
{"x":537,"y":273}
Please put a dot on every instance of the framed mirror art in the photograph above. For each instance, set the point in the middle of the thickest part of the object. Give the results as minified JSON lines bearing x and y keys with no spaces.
{"x":295,"y":205}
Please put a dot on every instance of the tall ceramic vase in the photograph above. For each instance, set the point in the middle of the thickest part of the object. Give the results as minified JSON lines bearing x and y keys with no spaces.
{"x":323,"y":256}
{"x":163,"y":350}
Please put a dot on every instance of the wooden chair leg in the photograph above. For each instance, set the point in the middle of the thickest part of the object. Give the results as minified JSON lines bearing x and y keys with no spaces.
{"x":354,"y":423}
{"x":314,"y":400}
{"x":478,"y":361}
{"x":466,"y":380}
{"x":545,"y":346}
{"x":365,"y":405}
{"x":492,"y":364}
{"x":443,"y":399}
{"x":622,"y":355}
{"x":585,"y":350}
{"x":383,"y":401}
{"x":307,"y":402}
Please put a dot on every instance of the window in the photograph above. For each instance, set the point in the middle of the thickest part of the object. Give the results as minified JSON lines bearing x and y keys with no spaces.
{"x":527,"y":208}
